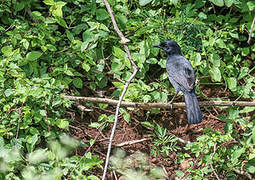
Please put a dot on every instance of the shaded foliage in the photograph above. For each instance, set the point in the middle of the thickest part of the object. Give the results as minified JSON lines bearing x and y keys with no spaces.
{"x":50,"y":48}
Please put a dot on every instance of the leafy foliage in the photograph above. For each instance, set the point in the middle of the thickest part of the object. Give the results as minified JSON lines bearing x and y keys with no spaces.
{"x":135,"y":166}
{"x":50,"y":48}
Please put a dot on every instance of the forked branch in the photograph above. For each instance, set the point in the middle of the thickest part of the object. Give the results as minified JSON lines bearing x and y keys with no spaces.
{"x":124,"y":41}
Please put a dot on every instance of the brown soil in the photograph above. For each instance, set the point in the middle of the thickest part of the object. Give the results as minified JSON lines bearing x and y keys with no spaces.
{"x":174,"y":121}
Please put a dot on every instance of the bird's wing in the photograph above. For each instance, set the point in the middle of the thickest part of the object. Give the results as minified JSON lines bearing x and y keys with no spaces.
{"x":181,"y":71}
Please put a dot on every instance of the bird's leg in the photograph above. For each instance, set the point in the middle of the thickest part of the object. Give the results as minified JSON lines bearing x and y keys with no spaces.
{"x":171,"y":102}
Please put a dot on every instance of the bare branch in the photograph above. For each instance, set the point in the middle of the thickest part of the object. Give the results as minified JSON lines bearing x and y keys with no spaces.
{"x":115,"y":26}
{"x":243,"y":173}
{"x":215,"y":174}
{"x":132,"y":142}
{"x":157,"y":105}
{"x":251,"y":30}
{"x":124,"y":41}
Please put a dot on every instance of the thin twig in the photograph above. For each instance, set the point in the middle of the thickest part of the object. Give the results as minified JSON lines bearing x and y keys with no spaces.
{"x":124,"y":41}
{"x":115,"y":176}
{"x":214,"y":151}
{"x":83,"y":108}
{"x":132,"y":142}
{"x":100,"y":128}
{"x":243,"y":173}
{"x":183,"y":141}
{"x":216,"y":175}
{"x":20,"y":114}
{"x":194,"y":165}
{"x":165,"y":172}
{"x":251,"y":30}
{"x":215,"y":148}
{"x":157,"y":105}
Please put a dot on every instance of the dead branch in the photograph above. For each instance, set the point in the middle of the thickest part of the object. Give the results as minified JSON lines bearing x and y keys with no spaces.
{"x":157,"y":105}
{"x":243,"y":173}
{"x":83,"y":108}
{"x":124,"y":41}
{"x":215,"y":174}
{"x":251,"y":30}
{"x":132,"y":142}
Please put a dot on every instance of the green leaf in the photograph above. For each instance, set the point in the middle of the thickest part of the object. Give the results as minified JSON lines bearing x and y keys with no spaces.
{"x":84,"y":46}
{"x":95,"y":125}
{"x":116,"y":66}
{"x":218,"y":2}
{"x":126,"y":117}
{"x":234,"y":35}
{"x":147,"y":124}
{"x":101,"y":14}
{"x":61,"y":22}
{"x":238,"y":153}
{"x":215,"y":59}
{"x":243,"y":72}
{"x":251,"y":5}
{"x":144,"y":2}
{"x":69,"y":73}
{"x":87,"y":36}
{"x":146,"y":98}
{"x":202,"y":15}
{"x":245,"y":51}
{"x":77,"y":82}
{"x":25,"y":43}
{"x":197,"y":61}
{"x":215,"y":73}
{"x":43,"y":113}
{"x":221,"y":43}
{"x":7,"y":51}
{"x":232,"y":83}
{"x":85,"y":66}
{"x":104,"y":27}
{"x":69,"y":36}
{"x":51,"y":47}
{"x":20,"y":6}
{"x":62,"y":123}
{"x":57,"y":9}
{"x":174,"y":2}
{"x":8,"y":92}
{"x":251,"y":169}
{"x":247,"y":109}
{"x":34,"y":55}
{"x":152,"y":61}
{"x":118,"y":85}
{"x":93,"y":177}
{"x":119,"y":53}
{"x":49,"y":2}
{"x":34,"y":131}
{"x":228,"y":3}
{"x":252,"y":156}
{"x":179,"y":173}
{"x":32,"y":141}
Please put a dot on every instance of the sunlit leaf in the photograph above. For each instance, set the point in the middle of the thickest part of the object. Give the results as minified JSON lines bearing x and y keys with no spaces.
{"x":34,"y":55}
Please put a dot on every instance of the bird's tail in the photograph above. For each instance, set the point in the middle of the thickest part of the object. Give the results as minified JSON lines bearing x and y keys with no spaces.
{"x":193,"y":111}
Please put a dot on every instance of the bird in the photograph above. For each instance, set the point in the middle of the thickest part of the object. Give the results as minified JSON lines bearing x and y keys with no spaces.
{"x":182,"y":77}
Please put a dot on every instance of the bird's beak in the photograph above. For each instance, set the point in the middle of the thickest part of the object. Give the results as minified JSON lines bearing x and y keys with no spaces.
{"x":157,"y":46}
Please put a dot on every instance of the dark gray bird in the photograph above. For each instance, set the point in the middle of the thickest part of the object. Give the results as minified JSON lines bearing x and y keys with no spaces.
{"x":182,"y":77}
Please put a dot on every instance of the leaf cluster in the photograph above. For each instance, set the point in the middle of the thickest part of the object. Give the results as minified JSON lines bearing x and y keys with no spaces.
{"x":50,"y":48}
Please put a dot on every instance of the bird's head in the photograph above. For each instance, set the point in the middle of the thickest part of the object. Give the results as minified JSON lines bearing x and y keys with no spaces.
{"x":170,"y":47}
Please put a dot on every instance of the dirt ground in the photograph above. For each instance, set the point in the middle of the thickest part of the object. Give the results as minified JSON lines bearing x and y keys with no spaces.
{"x":173,"y":120}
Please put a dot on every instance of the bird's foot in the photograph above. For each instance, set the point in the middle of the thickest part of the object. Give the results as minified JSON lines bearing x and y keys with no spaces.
{"x":171,"y":105}
{"x":171,"y":102}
